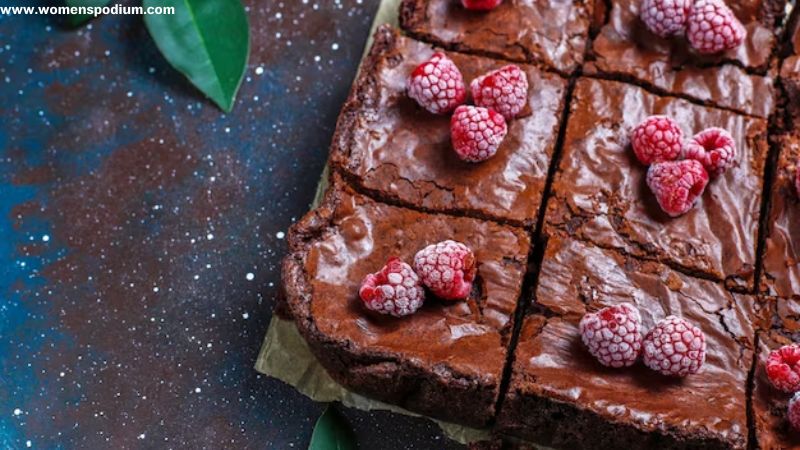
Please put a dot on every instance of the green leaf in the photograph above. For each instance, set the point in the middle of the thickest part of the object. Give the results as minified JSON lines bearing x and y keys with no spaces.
{"x":206,"y":40}
{"x":332,"y":432}
{"x":78,"y":19}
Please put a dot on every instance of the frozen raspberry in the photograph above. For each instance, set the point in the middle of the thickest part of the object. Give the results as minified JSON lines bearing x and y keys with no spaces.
{"x":665,"y":17}
{"x":675,"y":347}
{"x":783,"y":368}
{"x":657,"y":139}
{"x":437,"y":85}
{"x":712,"y":27}
{"x":613,"y":334}
{"x":395,"y":289}
{"x":677,"y":184}
{"x":504,"y":90}
{"x":447,"y":269}
{"x":476,"y":132}
{"x":481,"y":5}
{"x":714,"y":147}
{"x":793,"y":414}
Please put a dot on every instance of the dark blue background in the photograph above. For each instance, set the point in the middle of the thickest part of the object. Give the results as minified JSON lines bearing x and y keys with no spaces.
{"x":133,"y":211}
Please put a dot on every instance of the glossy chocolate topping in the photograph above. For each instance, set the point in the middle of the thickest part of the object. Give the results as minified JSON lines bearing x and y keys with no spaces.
{"x":769,"y":404}
{"x":626,"y":48}
{"x":600,"y":192}
{"x":782,"y":247}
{"x":396,"y":149}
{"x":553,"y":32}
{"x":467,"y":337}
{"x":576,"y":277}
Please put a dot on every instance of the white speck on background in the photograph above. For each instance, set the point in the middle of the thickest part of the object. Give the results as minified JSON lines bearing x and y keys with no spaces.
{"x":249,"y":276}
{"x":280,"y":235}
{"x":259,"y":70}
{"x":17,"y":411}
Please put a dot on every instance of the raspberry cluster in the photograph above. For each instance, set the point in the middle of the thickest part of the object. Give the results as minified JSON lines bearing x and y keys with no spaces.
{"x":674,"y":347}
{"x":481,"y":5}
{"x":447,"y":269}
{"x":477,"y":131}
{"x":709,"y":25}
{"x":783,"y":371}
{"x":679,"y":172}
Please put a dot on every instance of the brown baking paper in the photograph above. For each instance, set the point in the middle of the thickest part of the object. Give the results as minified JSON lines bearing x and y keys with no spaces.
{"x":285,"y":355}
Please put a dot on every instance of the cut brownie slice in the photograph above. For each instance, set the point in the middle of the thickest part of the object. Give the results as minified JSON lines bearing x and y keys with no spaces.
{"x":561,"y":396}
{"x":790,"y":71}
{"x":552,"y":32}
{"x":769,"y":405}
{"x":737,"y":79}
{"x":600,"y":193}
{"x":447,"y":359}
{"x":390,"y":146}
{"x":781,"y":260}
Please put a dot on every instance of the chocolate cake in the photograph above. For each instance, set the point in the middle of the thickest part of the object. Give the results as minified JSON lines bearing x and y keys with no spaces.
{"x":738,"y":79}
{"x":565,"y":183}
{"x":553,"y":33}
{"x":390,"y":146}
{"x":561,"y":396}
{"x":781,"y":260}
{"x":772,"y":430}
{"x":600,"y":195}
{"x":447,"y":359}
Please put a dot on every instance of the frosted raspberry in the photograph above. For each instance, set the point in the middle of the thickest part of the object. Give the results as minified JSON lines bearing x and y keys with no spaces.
{"x":675,"y":347}
{"x":447,"y":269}
{"x":783,"y":368}
{"x":656,"y":139}
{"x":481,"y":5}
{"x":437,"y":84}
{"x":476,"y":132}
{"x":504,"y":90}
{"x":714,"y":147}
{"x":613,"y":334}
{"x":793,"y":413}
{"x":677,"y":184}
{"x":712,"y":27}
{"x":395,"y":289}
{"x":665,"y":17}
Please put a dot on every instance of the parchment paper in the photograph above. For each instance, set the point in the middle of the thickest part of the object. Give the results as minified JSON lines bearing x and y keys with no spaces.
{"x":285,"y":355}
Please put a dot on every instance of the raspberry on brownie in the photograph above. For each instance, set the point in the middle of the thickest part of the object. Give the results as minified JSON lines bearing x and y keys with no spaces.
{"x":553,"y":33}
{"x":561,"y":396}
{"x":781,"y":256}
{"x":600,"y":192}
{"x":446,"y":359}
{"x":737,"y":79}
{"x":396,"y":150}
{"x":773,"y":429}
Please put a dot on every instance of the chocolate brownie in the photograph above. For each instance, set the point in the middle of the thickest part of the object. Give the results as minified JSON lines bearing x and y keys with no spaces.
{"x":600,"y":193}
{"x":551,"y":32}
{"x":444,"y":361}
{"x":737,"y":79}
{"x":561,"y":396}
{"x":772,"y":429}
{"x":398,"y":151}
{"x":781,"y":258}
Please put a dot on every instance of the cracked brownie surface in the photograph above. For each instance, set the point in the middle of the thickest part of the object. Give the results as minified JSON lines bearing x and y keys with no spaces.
{"x":560,"y":395}
{"x":738,"y":79}
{"x":551,"y":32}
{"x":600,"y":194}
{"x":447,"y":359}
{"x":395,"y":149}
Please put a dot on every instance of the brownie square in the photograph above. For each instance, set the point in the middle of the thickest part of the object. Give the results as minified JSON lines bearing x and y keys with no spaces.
{"x":781,"y":260}
{"x":551,"y":32}
{"x":398,"y":151}
{"x":737,"y":79}
{"x":769,"y":405}
{"x":560,"y":396}
{"x":446,"y":360}
{"x":600,"y":193}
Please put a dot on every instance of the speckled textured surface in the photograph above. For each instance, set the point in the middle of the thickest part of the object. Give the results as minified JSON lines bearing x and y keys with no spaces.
{"x":142,"y":229}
